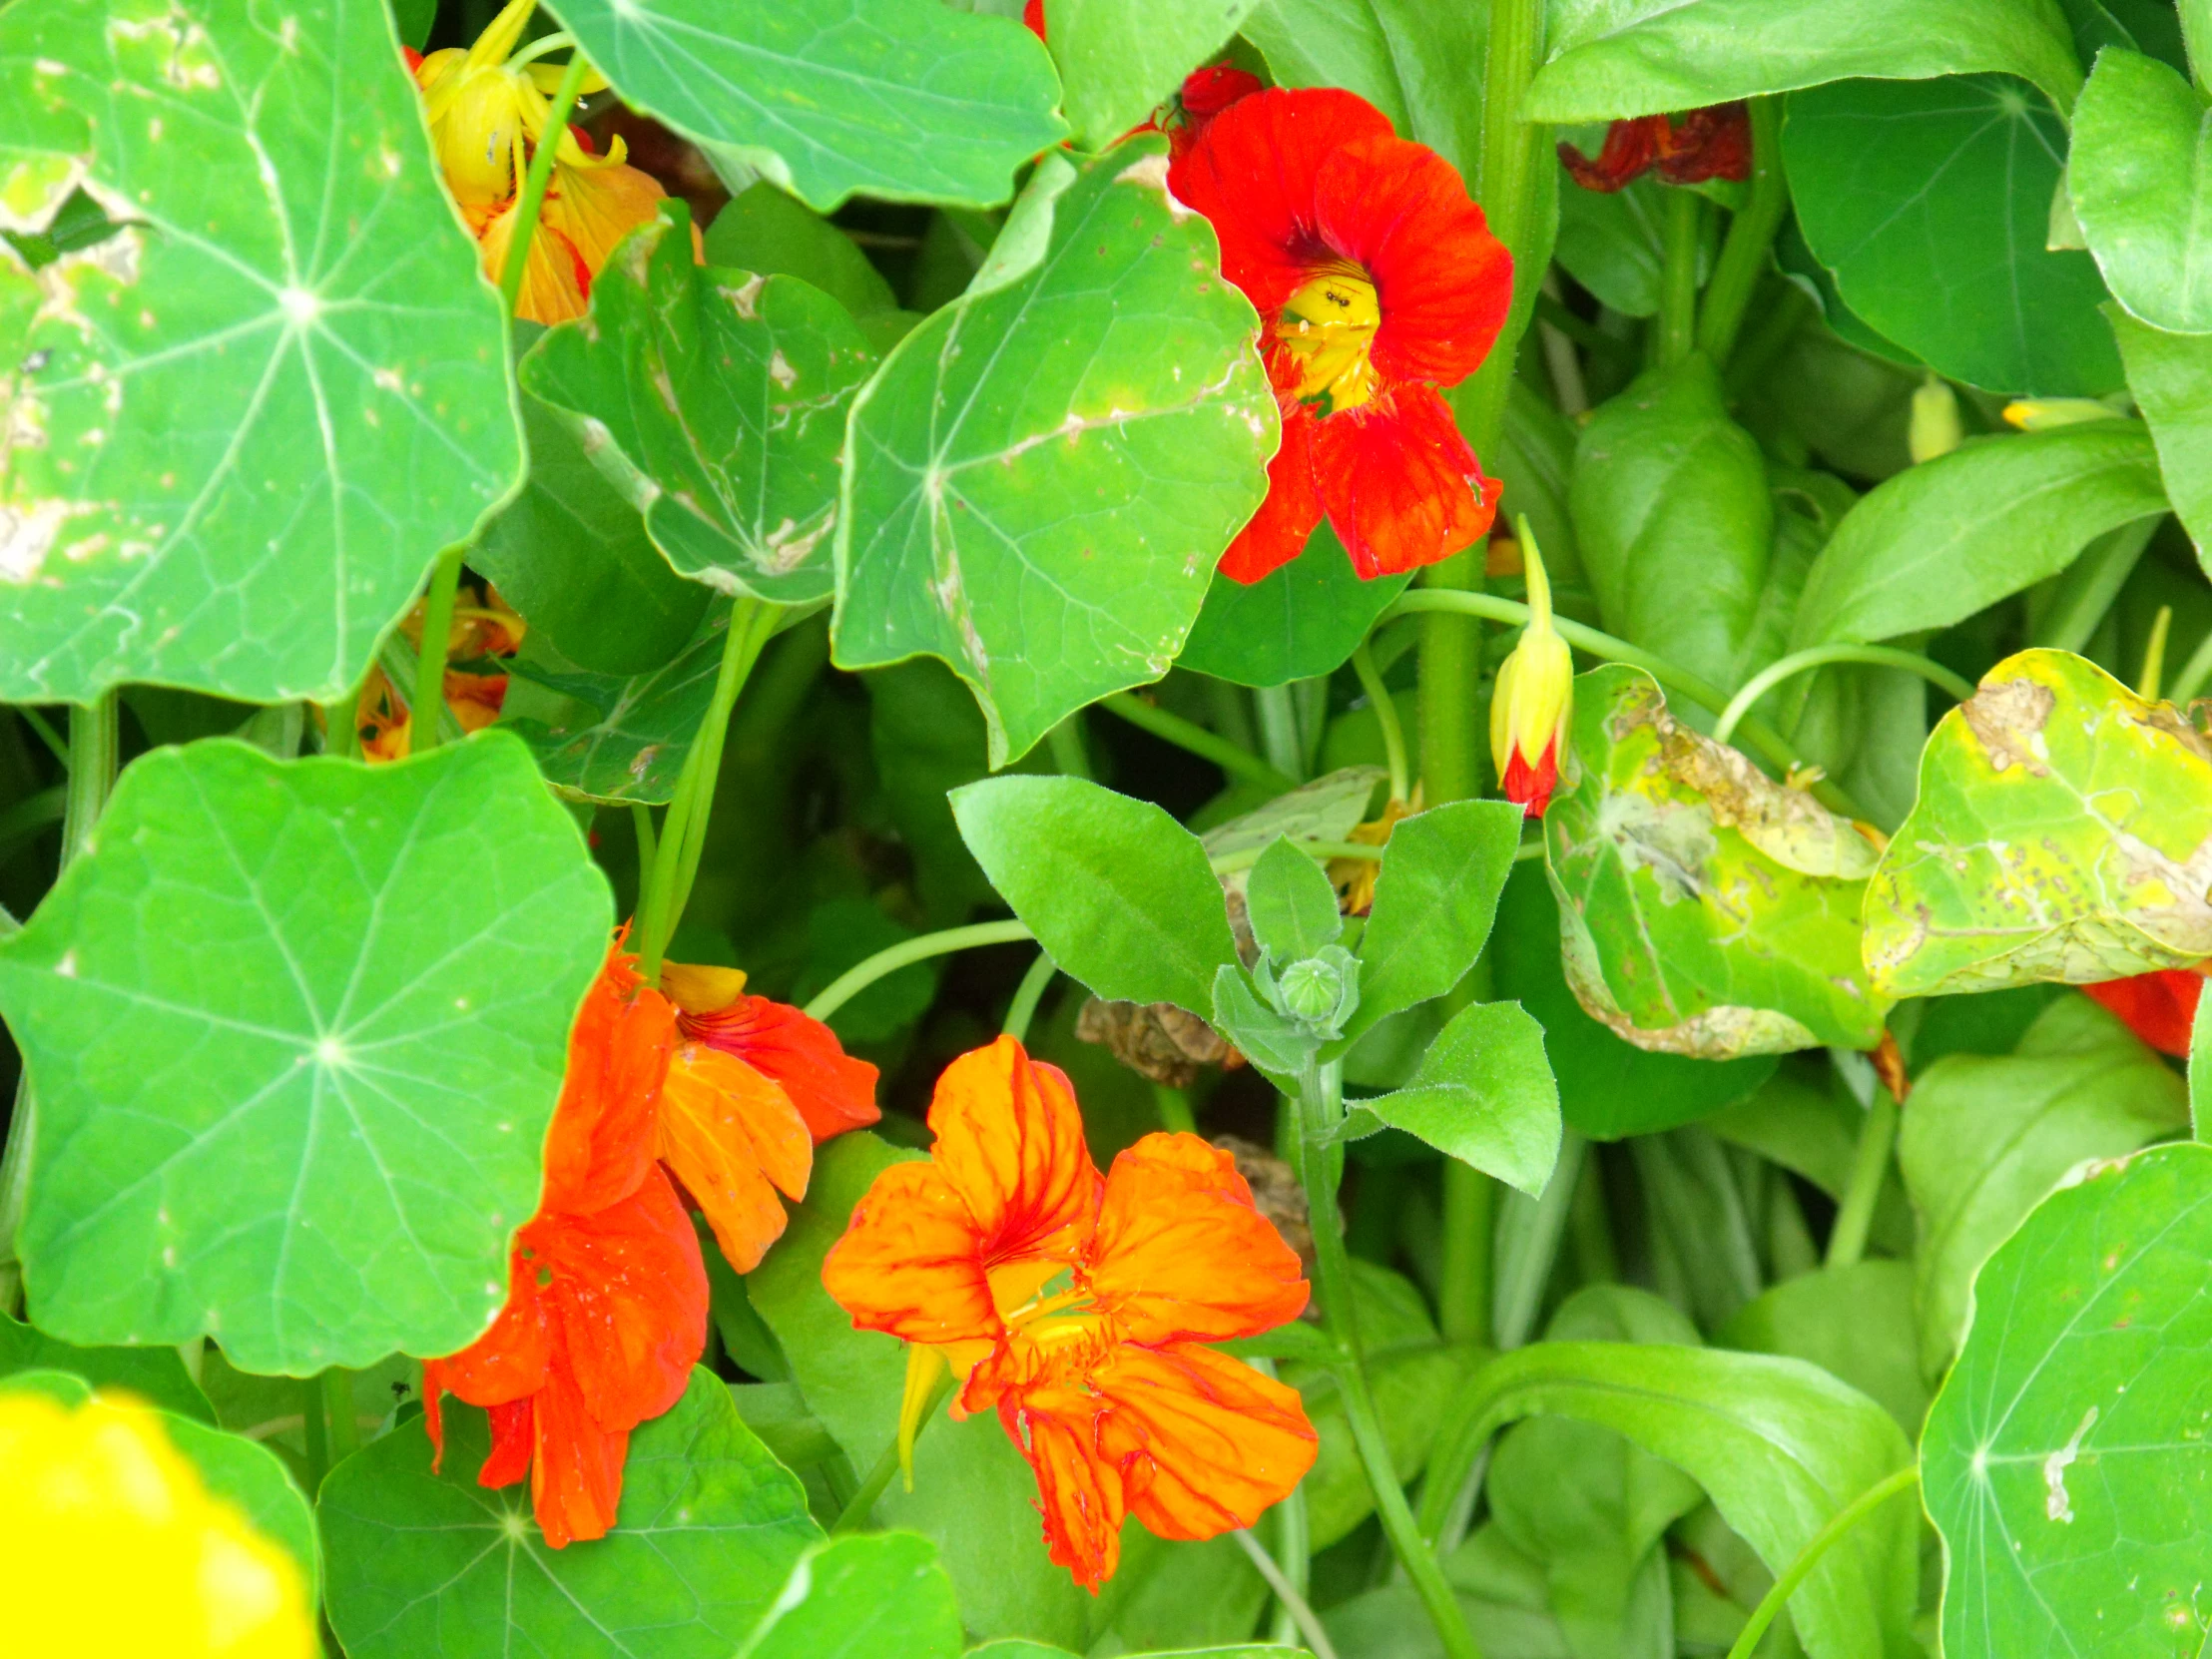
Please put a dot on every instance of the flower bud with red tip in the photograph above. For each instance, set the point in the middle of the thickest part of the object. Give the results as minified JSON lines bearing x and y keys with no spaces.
{"x":1533,"y":698}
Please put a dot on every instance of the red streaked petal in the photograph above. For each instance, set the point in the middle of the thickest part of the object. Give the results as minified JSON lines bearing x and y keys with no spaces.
{"x":1204,"y":1442}
{"x":727,"y":1132}
{"x":910,"y":1262}
{"x":513,"y":1438}
{"x":1079,"y":1493}
{"x":1402,"y":487}
{"x":1277,"y":533}
{"x":1010,"y":1141}
{"x":832,"y":1091}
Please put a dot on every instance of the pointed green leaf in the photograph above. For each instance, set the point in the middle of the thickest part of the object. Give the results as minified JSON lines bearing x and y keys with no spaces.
{"x":1704,"y":910}
{"x":1118,"y":893}
{"x":1854,"y":1323}
{"x":1483,"y":1094}
{"x":238,"y":431}
{"x":1292,"y":906}
{"x":1608,"y":59}
{"x":709,"y":1528}
{"x":635,"y":750}
{"x":1435,"y":898}
{"x":1270,"y":1040}
{"x":2141,"y":189}
{"x":1296,"y":622}
{"x":1930,"y":201}
{"x":154,"y":1374}
{"x":2065,"y":1461}
{"x":909,"y":103}
{"x":2061,"y":832}
{"x":715,"y":401}
{"x":864,"y":1597}
{"x":1043,"y":477}
{"x":1120,"y":58}
{"x":2171,"y":377}
{"x":296,"y":1032}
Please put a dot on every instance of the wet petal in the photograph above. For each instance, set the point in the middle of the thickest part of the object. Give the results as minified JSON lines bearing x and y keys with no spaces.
{"x":630,"y":1295}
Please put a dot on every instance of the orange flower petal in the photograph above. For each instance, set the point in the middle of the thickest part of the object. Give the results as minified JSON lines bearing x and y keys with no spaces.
{"x":601,"y":1141}
{"x":1204,"y":1442}
{"x":1079,"y":1495}
{"x":727,"y":1132}
{"x":832,"y":1091}
{"x":1181,"y":1254}
{"x":1277,"y":533}
{"x":1010,"y":1142}
{"x":630,"y":1292}
{"x":910,"y":1262}
{"x":1401,"y":486}
{"x":576,"y":1474}
{"x":514,"y":1437}
{"x":509,"y":1360}
{"x":596,"y":207}
{"x":2160,"y":1007}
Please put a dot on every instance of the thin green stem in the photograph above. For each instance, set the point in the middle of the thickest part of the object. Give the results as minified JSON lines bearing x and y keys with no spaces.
{"x":2154,"y":656}
{"x":1279,"y":731}
{"x":1174,"y":1107}
{"x":1385,"y":717}
{"x":1067,"y":743}
{"x":856,"y":979}
{"x":1294,"y":1603}
{"x":1027,"y":994}
{"x":856,"y":1514}
{"x":1796,"y":1573}
{"x":45,"y":730}
{"x":1320,"y":851}
{"x":438,"y":632}
{"x":2194,"y":672}
{"x":1321,"y":1167}
{"x":1241,"y":764}
{"x":1820,"y":656}
{"x":1685,"y":218}
{"x":1756,"y":732}
{"x":641,"y":826}
{"x":539,"y":176}
{"x":1855,"y":1215}
{"x":1743,"y":259}
{"x":342,"y":1424}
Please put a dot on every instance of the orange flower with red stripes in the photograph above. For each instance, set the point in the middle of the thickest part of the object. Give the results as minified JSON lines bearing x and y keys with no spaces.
{"x":1378,"y":282}
{"x":1077,"y":1307}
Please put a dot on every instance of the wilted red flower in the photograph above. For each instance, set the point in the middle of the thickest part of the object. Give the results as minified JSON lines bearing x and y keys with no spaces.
{"x":1712,"y":143}
{"x":1376,"y":281}
{"x":2160,"y":1007}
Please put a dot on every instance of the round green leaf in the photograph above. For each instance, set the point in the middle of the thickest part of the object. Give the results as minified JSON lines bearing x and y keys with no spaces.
{"x":1930,"y":201}
{"x":2059,"y":835}
{"x":421,"y":1562}
{"x":909,"y":103}
{"x":1120,"y":58}
{"x":864,"y":1597}
{"x":715,"y":401}
{"x":1042,"y":476}
{"x":243,"y":425}
{"x":1299,"y":621}
{"x":1704,"y":910}
{"x":154,"y":1374}
{"x":296,"y":1032}
{"x":2065,"y":1461}
{"x":2141,"y":189}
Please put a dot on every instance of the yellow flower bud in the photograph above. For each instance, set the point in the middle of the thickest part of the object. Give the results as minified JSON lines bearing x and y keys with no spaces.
{"x":1935,"y":429}
{"x":2044,"y":414}
{"x":1534,"y":697}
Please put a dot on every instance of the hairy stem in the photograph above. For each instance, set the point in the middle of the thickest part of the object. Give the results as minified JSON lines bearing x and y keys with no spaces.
{"x":1743,"y":260}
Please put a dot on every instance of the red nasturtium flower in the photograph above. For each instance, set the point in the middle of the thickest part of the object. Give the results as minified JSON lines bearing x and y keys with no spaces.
{"x":1712,"y":143}
{"x":607,"y":1306}
{"x":1076,"y":1307}
{"x":1376,"y":281}
{"x":2159,"y":1008}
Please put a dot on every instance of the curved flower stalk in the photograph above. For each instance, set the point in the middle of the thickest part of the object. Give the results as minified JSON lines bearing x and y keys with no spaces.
{"x":608,"y":1306}
{"x":1077,"y":1308}
{"x":1378,"y":282}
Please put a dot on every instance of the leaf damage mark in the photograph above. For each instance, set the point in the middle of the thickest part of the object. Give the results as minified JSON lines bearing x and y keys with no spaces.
{"x":2057,"y":1505}
{"x":2008,"y":718}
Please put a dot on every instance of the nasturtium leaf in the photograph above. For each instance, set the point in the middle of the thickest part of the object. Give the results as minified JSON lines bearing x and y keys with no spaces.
{"x":1930,"y":201}
{"x":572,"y":556}
{"x":296,"y":1032}
{"x":1117,"y":891}
{"x":709,"y":1528}
{"x":771,"y":233}
{"x":1420,"y":63}
{"x":1704,"y":910}
{"x":883,"y":98}
{"x":715,"y":401}
{"x":870,"y":1596}
{"x":239,"y":429}
{"x":2065,"y":1461}
{"x":2141,"y":187}
{"x":232,"y":1466}
{"x":1988,"y":1135}
{"x":1778,"y":1445}
{"x":1297,"y":622}
{"x":1944,"y":540}
{"x":153,"y":1374}
{"x":1435,"y":896}
{"x":2171,"y":377}
{"x":1119,"y":59}
{"x":1612,"y":58}
{"x":2060,"y":833}
{"x":1483,"y":1094}
{"x":1290,"y":904}
{"x":1854,"y":1323}
{"x":1041,"y":477}
{"x":1675,"y":521}
{"x":636,"y":749}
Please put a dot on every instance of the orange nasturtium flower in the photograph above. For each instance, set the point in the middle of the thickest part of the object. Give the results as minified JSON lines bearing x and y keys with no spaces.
{"x":1712,"y":143}
{"x":1533,"y":698}
{"x":607,"y":1309}
{"x":1376,"y":281}
{"x":1076,"y":1307}
{"x":486,"y":628}
{"x":2159,"y":1008}
{"x":115,"y":1545}
{"x":487,"y":110}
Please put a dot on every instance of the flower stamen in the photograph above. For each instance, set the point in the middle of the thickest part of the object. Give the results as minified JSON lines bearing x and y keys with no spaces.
{"x":1327,"y":327}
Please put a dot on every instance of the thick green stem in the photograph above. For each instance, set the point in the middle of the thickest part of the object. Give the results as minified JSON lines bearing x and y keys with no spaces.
{"x":1067,"y":743}
{"x":1743,"y":260}
{"x":1796,"y":1573}
{"x":1450,"y":668}
{"x":1678,"y":277}
{"x":1027,"y":994}
{"x":1279,"y":730}
{"x":1241,"y":764}
{"x":1174,"y":1107}
{"x":1321,"y":1167}
{"x":438,"y":635}
{"x":1469,"y":1249}
{"x":1505,"y":186}
{"x":1820,"y":656}
{"x":341,"y":1425}
{"x":1386,"y":718}
{"x":856,"y":979}
{"x":539,"y":176}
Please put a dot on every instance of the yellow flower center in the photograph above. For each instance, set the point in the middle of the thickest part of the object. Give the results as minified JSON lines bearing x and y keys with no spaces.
{"x":1327,"y":325}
